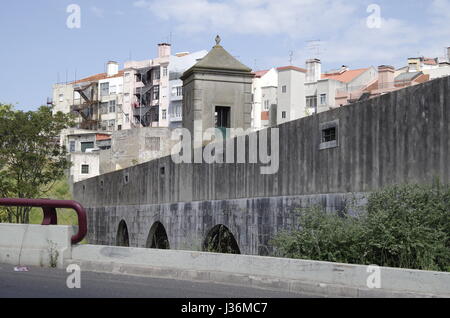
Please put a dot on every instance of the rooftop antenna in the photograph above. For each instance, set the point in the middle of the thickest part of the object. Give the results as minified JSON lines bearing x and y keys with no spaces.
{"x":291,"y":57}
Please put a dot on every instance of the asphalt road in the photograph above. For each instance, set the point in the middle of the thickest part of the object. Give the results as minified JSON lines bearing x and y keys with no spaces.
{"x":51,"y":283}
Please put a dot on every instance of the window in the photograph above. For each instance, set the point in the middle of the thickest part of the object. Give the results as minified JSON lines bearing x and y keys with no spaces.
{"x":283,"y":115}
{"x":127,"y":118}
{"x":84,"y":169}
{"x":112,"y":106}
{"x":112,"y":123}
{"x":165,"y":71}
{"x":87,"y":145}
{"x":119,"y":127}
{"x":266,"y":104}
{"x":156,"y":74}
{"x":104,"y":108}
{"x":104,"y":89}
{"x":311,"y":102}
{"x":156,"y":93}
{"x":177,"y":91}
{"x":61,"y":97}
{"x":323,"y":99}
{"x":222,"y":119}
{"x":329,"y":135}
{"x":72,"y":146}
{"x":284,"y":89}
{"x":112,"y":89}
{"x":178,"y":110}
{"x":164,"y":114}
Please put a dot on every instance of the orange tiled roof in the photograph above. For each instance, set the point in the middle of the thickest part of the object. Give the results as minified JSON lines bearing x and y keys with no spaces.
{"x":102,"y":137}
{"x":346,"y":76}
{"x":261,"y":73}
{"x":429,"y":61}
{"x":97,"y":77}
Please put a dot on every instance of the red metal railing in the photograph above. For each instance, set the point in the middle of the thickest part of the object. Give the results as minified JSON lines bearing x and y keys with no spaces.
{"x":49,"y":208}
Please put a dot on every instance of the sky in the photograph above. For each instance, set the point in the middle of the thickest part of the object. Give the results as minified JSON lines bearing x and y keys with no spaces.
{"x":38,"y":49}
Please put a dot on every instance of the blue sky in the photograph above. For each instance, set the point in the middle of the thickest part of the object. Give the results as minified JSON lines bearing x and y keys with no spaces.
{"x":36,"y":44}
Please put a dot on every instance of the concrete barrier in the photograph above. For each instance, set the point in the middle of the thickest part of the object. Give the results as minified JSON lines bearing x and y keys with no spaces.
{"x":321,"y":278}
{"x":50,"y":246}
{"x":35,"y":245}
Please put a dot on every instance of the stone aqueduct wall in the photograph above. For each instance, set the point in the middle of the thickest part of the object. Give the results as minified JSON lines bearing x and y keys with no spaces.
{"x":399,"y":137}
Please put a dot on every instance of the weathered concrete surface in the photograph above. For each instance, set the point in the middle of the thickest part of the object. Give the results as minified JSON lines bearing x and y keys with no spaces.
{"x":34,"y":244}
{"x":399,"y":137}
{"x":253,"y":222}
{"x":303,"y":276}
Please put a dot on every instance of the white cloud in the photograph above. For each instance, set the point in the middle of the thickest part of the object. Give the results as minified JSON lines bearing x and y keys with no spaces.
{"x":340,"y":25}
{"x":289,"y":17}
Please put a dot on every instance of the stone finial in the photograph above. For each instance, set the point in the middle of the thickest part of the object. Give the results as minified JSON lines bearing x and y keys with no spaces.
{"x":218,"y":39}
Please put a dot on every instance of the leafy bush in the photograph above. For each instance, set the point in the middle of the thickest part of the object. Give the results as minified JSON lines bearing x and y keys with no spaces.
{"x":404,"y":226}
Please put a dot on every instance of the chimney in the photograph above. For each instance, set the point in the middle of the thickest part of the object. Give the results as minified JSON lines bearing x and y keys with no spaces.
{"x":112,"y":68}
{"x":386,"y":75}
{"x":164,"y":49}
{"x":313,"y":70}
{"x":448,"y":54}
{"x":344,"y":68}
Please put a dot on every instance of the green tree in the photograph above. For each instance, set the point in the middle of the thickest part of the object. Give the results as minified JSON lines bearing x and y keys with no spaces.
{"x":31,"y":158}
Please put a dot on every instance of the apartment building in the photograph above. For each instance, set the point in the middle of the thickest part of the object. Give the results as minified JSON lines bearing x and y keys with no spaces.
{"x":95,"y":100}
{"x":264,"y":98}
{"x":83,"y":148}
{"x":433,"y":67}
{"x":291,"y":94}
{"x":153,"y":89}
{"x":144,"y":94}
{"x":335,"y":88}
{"x":287,"y":93}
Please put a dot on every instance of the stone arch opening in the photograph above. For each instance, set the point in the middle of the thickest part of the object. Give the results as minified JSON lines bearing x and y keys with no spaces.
{"x":157,"y":237}
{"x":122,"y":238}
{"x":220,"y":240}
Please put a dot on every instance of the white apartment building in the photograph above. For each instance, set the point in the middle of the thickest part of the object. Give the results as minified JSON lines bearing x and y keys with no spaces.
{"x":278,"y":96}
{"x":179,"y":63}
{"x":144,"y":94}
{"x":153,"y":89}
{"x":287,"y":93}
{"x":291,"y":94}
{"x":335,"y":88}
{"x":434,"y":67}
{"x":264,"y":96}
